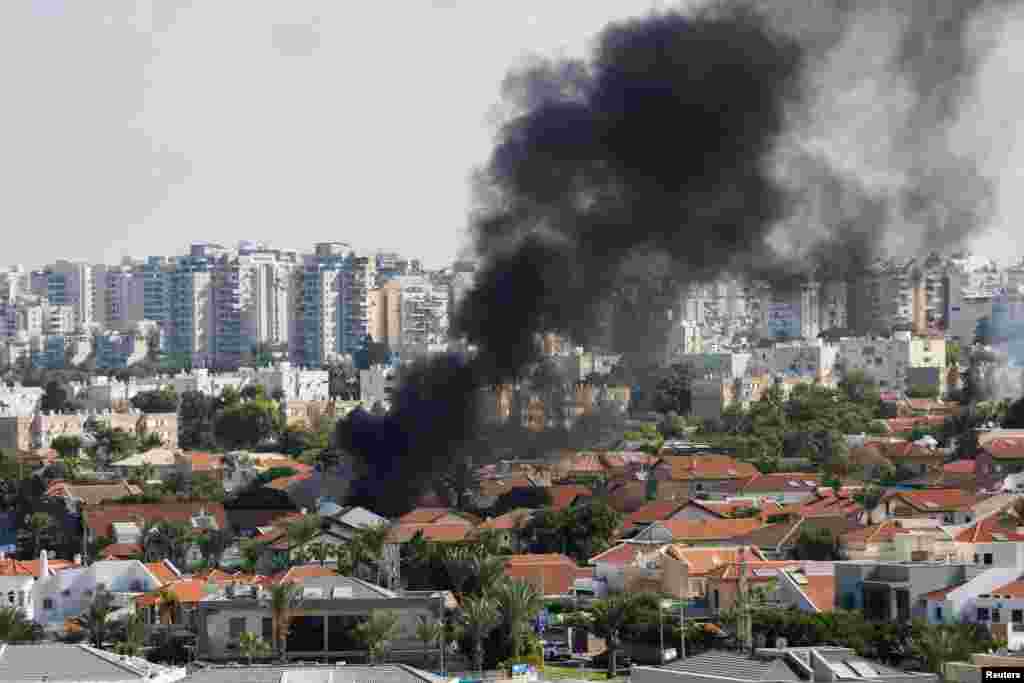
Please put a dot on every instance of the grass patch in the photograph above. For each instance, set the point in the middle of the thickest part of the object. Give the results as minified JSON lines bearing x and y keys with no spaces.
{"x":554,"y":673}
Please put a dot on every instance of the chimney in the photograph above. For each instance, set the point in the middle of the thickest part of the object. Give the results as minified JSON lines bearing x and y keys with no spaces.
{"x":304,"y":511}
{"x":78,"y":559}
{"x":44,"y":564}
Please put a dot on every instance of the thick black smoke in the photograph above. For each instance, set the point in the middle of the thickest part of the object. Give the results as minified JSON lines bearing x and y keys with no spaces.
{"x":690,"y":145}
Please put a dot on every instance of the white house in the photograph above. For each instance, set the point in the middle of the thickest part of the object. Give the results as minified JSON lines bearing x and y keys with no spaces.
{"x":16,"y":591}
{"x":70,"y":592}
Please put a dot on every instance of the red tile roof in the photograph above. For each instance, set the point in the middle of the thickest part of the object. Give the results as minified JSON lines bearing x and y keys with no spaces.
{"x":443,"y":533}
{"x":187,"y":591}
{"x":987,"y":530}
{"x":783,"y":481}
{"x":766,"y":570}
{"x":300,"y":572}
{"x":100,"y":519}
{"x":161,"y":571}
{"x":12,"y":567}
{"x":827,"y":505}
{"x":512,"y":519}
{"x":92,"y":494}
{"x":1013,"y":590}
{"x":204,"y":462}
{"x":285,"y":483}
{"x":959,"y":467}
{"x":552,"y":574}
{"x":899,"y":425}
{"x":709,"y":529}
{"x":654,"y":511}
{"x":700,"y":561}
{"x":820,"y":590}
{"x":563,"y":495}
{"x":877,"y":533}
{"x":622,"y":554}
{"x":1005,"y":448}
{"x":936,"y":500}
{"x":693,"y":467}
{"x":425,"y":515}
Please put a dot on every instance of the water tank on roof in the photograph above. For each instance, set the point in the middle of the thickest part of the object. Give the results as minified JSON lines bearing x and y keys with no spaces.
{"x":328,"y":508}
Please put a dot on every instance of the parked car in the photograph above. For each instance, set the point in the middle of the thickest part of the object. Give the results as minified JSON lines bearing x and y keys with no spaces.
{"x":557,"y":652}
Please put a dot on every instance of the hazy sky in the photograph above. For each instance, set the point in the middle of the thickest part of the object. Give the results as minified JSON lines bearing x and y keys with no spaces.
{"x":133,"y":127}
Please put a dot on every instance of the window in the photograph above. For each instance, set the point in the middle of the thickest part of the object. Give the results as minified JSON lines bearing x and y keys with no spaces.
{"x":982,"y":614}
{"x":136,"y":586}
{"x":48,"y":603}
{"x":938,"y":613}
{"x":977,"y":558}
{"x":1017,"y":616}
{"x":988,"y":558}
{"x":996,"y":615}
{"x":236,"y":627}
{"x":268,"y":630}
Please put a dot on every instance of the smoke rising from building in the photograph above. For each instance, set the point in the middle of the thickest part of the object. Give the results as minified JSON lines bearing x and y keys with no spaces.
{"x":721,"y":140}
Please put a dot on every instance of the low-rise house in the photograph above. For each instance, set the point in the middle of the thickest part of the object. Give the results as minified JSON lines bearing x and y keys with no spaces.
{"x":162,"y":460}
{"x":328,"y":673}
{"x":1001,"y":610}
{"x":780,"y":541}
{"x":551,"y":574}
{"x":810,"y":588}
{"x":723,"y":582}
{"x":654,"y":511}
{"x":68,"y":593}
{"x":708,"y":532}
{"x":58,"y":663}
{"x":782,"y":665}
{"x":684,"y":571}
{"x":1000,"y":452}
{"x":192,"y":463}
{"x":946,"y":506}
{"x":783,"y":487}
{"x":900,"y":540}
{"x":323,"y":624}
{"x":829,"y":503}
{"x":629,"y":495}
{"x":711,"y":476}
{"x":508,"y":527}
{"x":566,"y":495}
{"x":610,"y":566}
{"x":79,"y":493}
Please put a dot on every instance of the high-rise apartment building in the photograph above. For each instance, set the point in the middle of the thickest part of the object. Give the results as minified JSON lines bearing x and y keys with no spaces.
{"x":191,"y":311}
{"x":336,"y":302}
{"x":71,"y":284}
{"x":125,"y":297}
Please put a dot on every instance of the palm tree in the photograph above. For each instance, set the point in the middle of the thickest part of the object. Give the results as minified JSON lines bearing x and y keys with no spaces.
{"x":178,"y":536}
{"x":458,"y":564}
{"x":302,"y":530}
{"x":169,"y":603}
{"x":377,"y":632}
{"x":429,"y":632}
{"x":252,"y":646}
{"x":38,"y":523}
{"x":343,"y":562}
{"x":15,"y":627}
{"x":134,"y":636}
{"x":368,"y":548}
{"x":96,"y":620}
{"x":284,"y":599}
{"x":320,"y":551}
{"x":150,"y":538}
{"x":250,"y":550}
{"x":488,"y":571}
{"x":213,"y":543}
{"x":518,"y":603}
{"x":609,"y":617}
{"x":479,"y":618}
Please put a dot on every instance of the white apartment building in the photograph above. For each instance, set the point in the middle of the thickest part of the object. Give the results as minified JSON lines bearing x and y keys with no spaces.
{"x":60,"y":320}
{"x":125,"y":297}
{"x":192,"y":311}
{"x":336,"y":310}
{"x":896,"y":363}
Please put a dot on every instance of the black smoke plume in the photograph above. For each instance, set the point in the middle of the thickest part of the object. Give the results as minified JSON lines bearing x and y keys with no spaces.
{"x":689,"y":145}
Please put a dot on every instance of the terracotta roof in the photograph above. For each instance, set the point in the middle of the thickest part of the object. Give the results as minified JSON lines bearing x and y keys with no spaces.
{"x":709,"y":529}
{"x":877,"y":533}
{"x":161,"y":571}
{"x":285,"y":483}
{"x":936,"y":500}
{"x":821,"y":590}
{"x":300,"y":572}
{"x":1013,"y":590}
{"x":623,"y":459}
{"x":942,"y":592}
{"x":622,"y":554}
{"x":1005,"y":448}
{"x":709,"y":466}
{"x":424,"y":515}
{"x":629,"y":496}
{"x":563,"y":495}
{"x":92,"y":494}
{"x":898,"y":425}
{"x":826,"y":506}
{"x":492,"y":488}
{"x":783,"y":481}
{"x":553,"y":574}
{"x":12,"y":567}
{"x":508,"y":521}
{"x":992,"y":529}
{"x":584,"y":463}
{"x":122,"y":551}
{"x":204,"y":462}
{"x":654,"y":511}
{"x":444,"y":533}
{"x":100,"y":519}
{"x":187,"y":591}
{"x":959,"y":467}
{"x":731,"y":571}
{"x":700,"y":561}
{"x":928,"y":404}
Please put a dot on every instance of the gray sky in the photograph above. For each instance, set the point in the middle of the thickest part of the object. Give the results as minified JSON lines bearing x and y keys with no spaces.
{"x":133,"y":127}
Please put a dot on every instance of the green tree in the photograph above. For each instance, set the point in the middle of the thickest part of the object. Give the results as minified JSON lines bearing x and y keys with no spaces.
{"x":15,"y":627}
{"x":303,"y":530}
{"x":479,"y":617}
{"x":518,"y":602}
{"x":610,"y":617}
{"x":367,"y":548}
{"x":377,"y":632}
{"x":205,"y":487}
{"x":251,"y":646}
{"x":156,"y":401}
{"x":96,"y":619}
{"x":859,"y":388}
{"x":247,"y":424}
{"x":254,"y":392}
{"x":195,"y":420}
{"x":134,"y":635}
{"x":429,"y":632}
{"x":150,"y":441}
{"x":213,"y":543}
{"x":673,"y":394}
{"x":39,"y":524}
{"x":285,"y":598}
{"x":818,"y":545}
{"x":69,"y":451}
{"x":923,"y":391}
